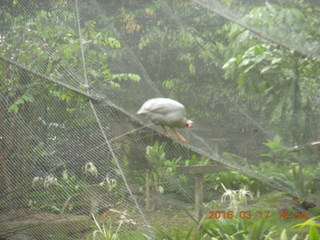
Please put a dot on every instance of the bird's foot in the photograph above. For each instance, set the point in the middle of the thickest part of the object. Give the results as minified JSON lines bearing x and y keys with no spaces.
{"x":167,"y":134}
{"x":180,"y":136}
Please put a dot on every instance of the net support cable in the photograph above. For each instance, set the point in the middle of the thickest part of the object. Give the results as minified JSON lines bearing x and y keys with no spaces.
{"x":101,"y":128}
{"x":214,"y":5}
{"x":109,"y":103}
{"x":213,"y":156}
{"x":52,"y":80}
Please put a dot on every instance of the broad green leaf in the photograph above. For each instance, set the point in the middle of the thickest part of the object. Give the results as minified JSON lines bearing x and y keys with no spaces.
{"x":13,"y":108}
{"x":169,"y":83}
{"x":277,"y":112}
{"x":192,"y":69}
{"x":245,"y":62}
{"x":313,"y":233}
{"x":275,"y":60}
{"x":27,"y":98}
{"x":283,"y":235}
{"x":161,"y":189}
{"x":265,"y":69}
{"x":229,"y":63}
{"x":309,"y":222}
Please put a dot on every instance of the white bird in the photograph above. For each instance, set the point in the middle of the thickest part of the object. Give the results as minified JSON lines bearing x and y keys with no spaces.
{"x":166,"y":112}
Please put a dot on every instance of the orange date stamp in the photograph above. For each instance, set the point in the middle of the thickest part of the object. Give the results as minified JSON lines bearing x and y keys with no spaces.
{"x":256,"y":214}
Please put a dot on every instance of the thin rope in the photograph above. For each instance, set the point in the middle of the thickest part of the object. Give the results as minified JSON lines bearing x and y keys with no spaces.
{"x":81,"y":45}
{"x":101,"y":128}
{"x":51,"y":80}
{"x":216,"y":5}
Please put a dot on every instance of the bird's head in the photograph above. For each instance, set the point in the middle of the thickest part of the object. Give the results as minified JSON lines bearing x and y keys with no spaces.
{"x":189,"y":123}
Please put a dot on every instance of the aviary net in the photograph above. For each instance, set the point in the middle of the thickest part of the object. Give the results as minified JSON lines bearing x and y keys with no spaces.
{"x":78,"y":162}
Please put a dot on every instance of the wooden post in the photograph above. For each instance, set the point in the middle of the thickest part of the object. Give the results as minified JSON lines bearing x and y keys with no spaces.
{"x":147,"y":191}
{"x":198,"y":196}
{"x":198,"y":172}
{"x":216,"y":142}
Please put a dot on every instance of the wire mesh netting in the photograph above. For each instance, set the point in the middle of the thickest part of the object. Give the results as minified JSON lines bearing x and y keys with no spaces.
{"x":78,"y":162}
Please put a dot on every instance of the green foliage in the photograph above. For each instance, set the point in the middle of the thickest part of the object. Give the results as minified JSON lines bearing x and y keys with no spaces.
{"x":194,"y":160}
{"x":273,"y":22}
{"x":272,"y":74}
{"x":239,"y":229}
{"x":61,"y":194}
{"x":172,"y":165}
{"x":313,"y":233}
{"x":41,"y":34}
{"x":287,"y":169}
{"x":115,"y":228}
{"x":126,"y":76}
{"x":47,"y":41}
{"x":310,"y":222}
{"x":235,"y":198}
{"x":51,"y":193}
{"x":233,"y":179}
{"x":38,"y":152}
{"x":156,"y":155}
{"x":283,"y":168}
{"x":21,"y":100}
{"x":178,"y":235}
{"x":313,"y":230}
{"x":107,"y":233}
{"x":281,"y":83}
{"x":277,"y":151}
{"x":283,"y":236}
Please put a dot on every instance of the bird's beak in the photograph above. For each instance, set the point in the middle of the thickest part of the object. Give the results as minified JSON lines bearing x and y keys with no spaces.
{"x":190,"y":126}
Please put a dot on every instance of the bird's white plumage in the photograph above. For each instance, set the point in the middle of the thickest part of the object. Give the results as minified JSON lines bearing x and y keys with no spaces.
{"x":160,"y":105}
{"x":164,"y":111}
